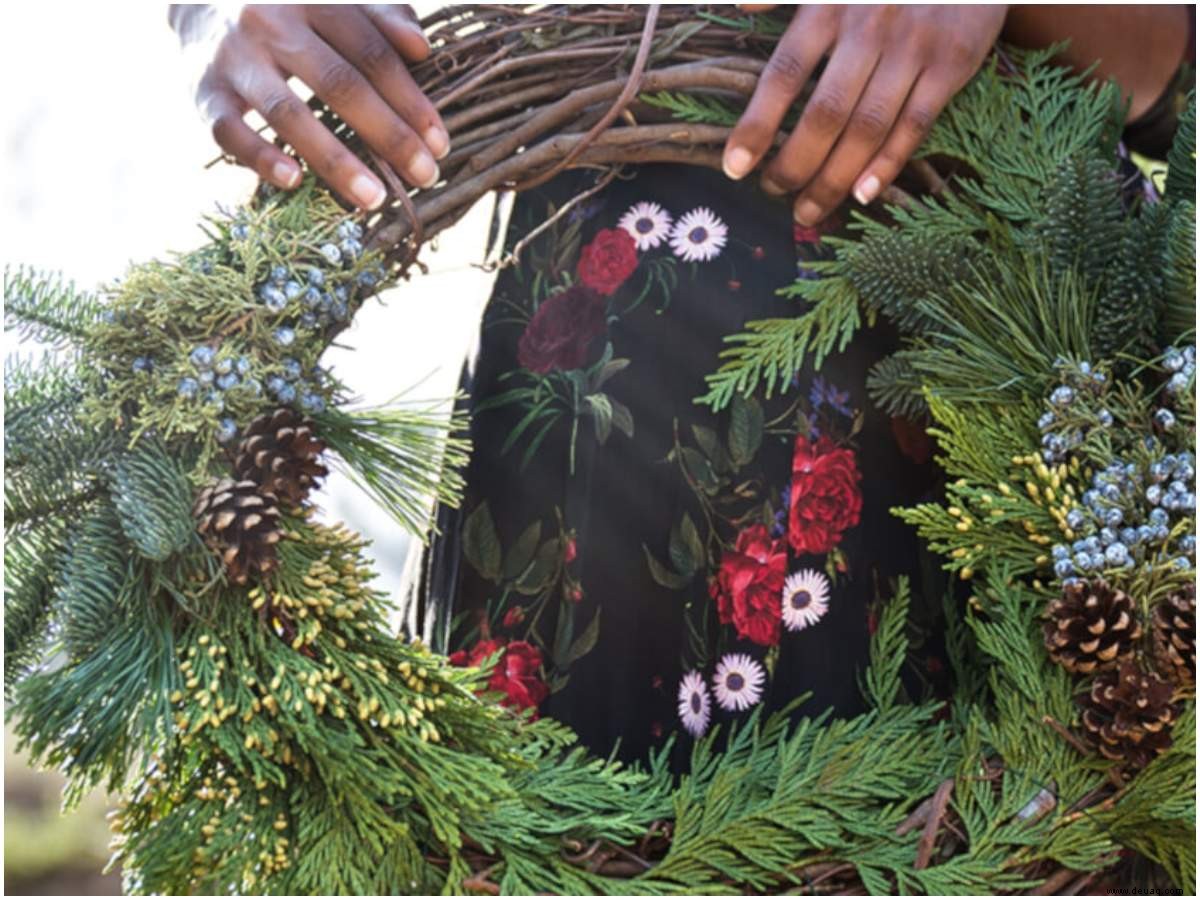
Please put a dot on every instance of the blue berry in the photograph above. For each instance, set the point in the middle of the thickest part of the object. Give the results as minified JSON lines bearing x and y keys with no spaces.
{"x":1063,"y":568}
{"x":223,"y":366}
{"x":187,"y":387}
{"x":1160,"y":471}
{"x":1113,"y":516}
{"x":214,"y":399}
{"x":284,"y":336}
{"x":1062,"y":395}
{"x":1161,"y":533}
{"x":1159,"y":517}
{"x":1099,"y":377}
{"x":1092,"y":543}
{"x":244,"y":365}
{"x":1108,"y":536}
{"x":279,"y":274}
{"x":1060,"y":551}
{"x":1187,"y":501}
{"x":1173,"y":360}
{"x":206,"y":377}
{"x":286,"y":394}
{"x":1129,"y":535}
{"x":348,"y":229}
{"x":1045,"y":421}
{"x":227,"y":381}
{"x":342,"y":293}
{"x":1111,"y":492}
{"x":331,"y":253}
{"x":202,"y":357}
{"x":351,"y":249}
{"x":312,"y":403}
{"x":1145,"y":534}
{"x":1083,"y":561}
{"x":240,"y":231}
{"x":367,"y":279}
{"x":316,"y":277}
{"x":309,"y":320}
{"x":1076,"y":519}
{"x":326,"y":302}
{"x":291,"y":369}
{"x":1164,"y":419}
{"x":293,"y":289}
{"x":1105,"y":417}
{"x":1187,"y":543}
{"x":1182,"y":562}
{"x":142,"y":364}
{"x":339,"y":311}
{"x":1176,"y":487}
{"x":1178,"y":383}
{"x":226,"y":431}
{"x":1096,"y":562}
{"x":273,"y":297}
{"x":1116,"y":554}
{"x":312,"y":298}
{"x":1079,"y":546}
{"x":1090,"y":496}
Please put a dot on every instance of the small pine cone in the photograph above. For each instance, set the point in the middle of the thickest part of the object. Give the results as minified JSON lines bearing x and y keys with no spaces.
{"x":1174,"y":632}
{"x":1091,"y":627}
{"x":1127,"y":714}
{"x":280,"y":452}
{"x":241,"y":523}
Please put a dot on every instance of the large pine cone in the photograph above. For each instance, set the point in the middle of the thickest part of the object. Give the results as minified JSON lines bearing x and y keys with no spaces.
{"x":1174,"y":630}
{"x":280,"y":453}
{"x":240,"y":522}
{"x":1091,"y":627}
{"x":1127,"y":714}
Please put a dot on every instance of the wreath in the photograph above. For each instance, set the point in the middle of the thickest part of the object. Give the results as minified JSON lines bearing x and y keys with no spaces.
{"x":181,"y":627}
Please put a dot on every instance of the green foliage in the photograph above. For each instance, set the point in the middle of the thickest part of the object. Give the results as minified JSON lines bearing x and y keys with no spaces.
{"x":154,"y":501}
{"x":1181,"y":160}
{"x":888,"y":649}
{"x":43,"y":307}
{"x":705,"y":109}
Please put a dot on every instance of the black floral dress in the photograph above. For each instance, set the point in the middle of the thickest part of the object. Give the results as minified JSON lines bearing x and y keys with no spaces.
{"x":637,"y":564}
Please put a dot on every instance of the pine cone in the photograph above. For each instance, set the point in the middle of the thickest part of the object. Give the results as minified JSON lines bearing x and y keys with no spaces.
{"x":1127,"y":714}
{"x":280,"y":453}
{"x":1091,"y":627}
{"x":1174,"y":631}
{"x":241,"y":523}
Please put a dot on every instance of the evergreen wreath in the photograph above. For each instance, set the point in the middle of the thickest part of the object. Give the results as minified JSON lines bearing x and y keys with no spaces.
{"x":182,"y":628}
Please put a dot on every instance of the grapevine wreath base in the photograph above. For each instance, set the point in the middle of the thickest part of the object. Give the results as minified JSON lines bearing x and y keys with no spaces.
{"x":181,"y":627}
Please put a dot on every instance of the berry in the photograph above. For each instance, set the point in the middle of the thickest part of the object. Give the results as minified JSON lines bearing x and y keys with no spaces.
{"x":351,"y":249}
{"x":367,"y":279}
{"x":1108,"y":536}
{"x":226,"y":430}
{"x":279,"y":274}
{"x":1187,"y":543}
{"x":316,"y":277}
{"x":142,"y":364}
{"x":227,"y":381}
{"x":286,"y":394}
{"x":1154,"y":495}
{"x":1145,"y":534}
{"x":1116,"y":554}
{"x":1129,"y":535}
{"x":1182,"y":562}
{"x":240,"y":231}
{"x":206,"y":377}
{"x":1158,"y":517}
{"x":244,"y":365}
{"x":1062,"y":396}
{"x":312,"y":298}
{"x":1173,"y":361}
{"x":1063,"y":568}
{"x":1083,"y":561}
{"x":309,"y":320}
{"x":187,"y":387}
{"x":1113,"y":516}
{"x":202,"y":357}
{"x":1076,"y":519}
{"x":214,"y":399}
{"x":1160,"y":471}
{"x":291,"y":369}
{"x":1164,"y":419}
{"x":273,"y":297}
{"x":1111,"y":492}
{"x":331,"y":253}
{"x":1058,"y":551}
{"x":284,"y":336}
{"x":1096,"y":561}
{"x":339,"y":311}
{"x":312,"y":403}
{"x":1092,"y":543}
{"x":223,"y":366}
{"x":342,"y":293}
{"x":1178,"y":383}
{"x":293,"y":289}
{"x":1105,"y":417}
{"x":1045,"y":421}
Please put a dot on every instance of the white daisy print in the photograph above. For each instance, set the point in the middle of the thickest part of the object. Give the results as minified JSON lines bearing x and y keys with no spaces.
{"x":738,"y":681}
{"x":698,"y":235}
{"x":805,"y":599}
{"x":695,"y":705}
{"x":647,"y":223}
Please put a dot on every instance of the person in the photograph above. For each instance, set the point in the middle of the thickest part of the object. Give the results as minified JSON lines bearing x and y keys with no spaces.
{"x":634,"y":563}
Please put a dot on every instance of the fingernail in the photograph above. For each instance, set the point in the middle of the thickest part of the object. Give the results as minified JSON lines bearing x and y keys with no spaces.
{"x":437,"y":141}
{"x":737,"y":162}
{"x":772,"y":188}
{"x":286,"y":174}
{"x":422,"y":170}
{"x":807,"y":213}
{"x":367,"y":191}
{"x":867,"y":190}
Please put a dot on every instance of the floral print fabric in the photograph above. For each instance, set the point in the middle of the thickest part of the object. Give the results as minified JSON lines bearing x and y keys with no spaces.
{"x":633,"y":563}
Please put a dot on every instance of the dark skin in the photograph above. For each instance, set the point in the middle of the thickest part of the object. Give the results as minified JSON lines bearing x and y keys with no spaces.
{"x":890,"y":72}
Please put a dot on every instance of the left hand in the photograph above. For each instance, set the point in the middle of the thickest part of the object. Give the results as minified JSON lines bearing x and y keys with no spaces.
{"x":891,"y":70}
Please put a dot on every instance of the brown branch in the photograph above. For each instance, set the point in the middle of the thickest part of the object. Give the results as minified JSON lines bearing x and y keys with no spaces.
{"x":1066,"y":735}
{"x":929,"y":836}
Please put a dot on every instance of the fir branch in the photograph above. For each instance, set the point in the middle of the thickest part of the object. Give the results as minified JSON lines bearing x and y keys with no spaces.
{"x":889,"y":648}
{"x":153,"y":500}
{"x":1181,"y":158}
{"x":44,"y":307}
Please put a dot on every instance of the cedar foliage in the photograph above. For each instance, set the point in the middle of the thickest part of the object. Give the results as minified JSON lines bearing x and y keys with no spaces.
{"x":279,"y":738}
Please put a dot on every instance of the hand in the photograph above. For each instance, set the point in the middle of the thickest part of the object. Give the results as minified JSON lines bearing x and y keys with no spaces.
{"x":891,"y":70}
{"x":353,"y":57}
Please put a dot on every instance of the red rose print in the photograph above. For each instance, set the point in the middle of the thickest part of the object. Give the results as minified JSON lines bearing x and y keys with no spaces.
{"x":825,"y":498}
{"x":514,"y":616}
{"x":749,"y":583}
{"x":515,"y":674}
{"x":558,"y":335}
{"x":608,"y":260}
{"x":570,"y":551}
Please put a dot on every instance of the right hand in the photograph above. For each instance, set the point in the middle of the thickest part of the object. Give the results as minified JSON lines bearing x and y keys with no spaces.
{"x":353,"y":57}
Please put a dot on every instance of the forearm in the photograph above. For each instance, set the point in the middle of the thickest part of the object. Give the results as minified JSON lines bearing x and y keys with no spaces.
{"x":1140,"y":47}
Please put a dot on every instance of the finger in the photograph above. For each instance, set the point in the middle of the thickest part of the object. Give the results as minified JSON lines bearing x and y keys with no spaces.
{"x":825,"y":116}
{"x":868,"y":127}
{"x":929,"y":96}
{"x":797,"y":54}
{"x":399,"y":24}
{"x":335,"y":80}
{"x":293,"y":121}
{"x":223,"y":110}
{"x":356,"y":38}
